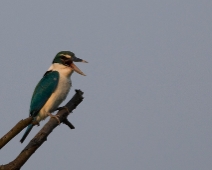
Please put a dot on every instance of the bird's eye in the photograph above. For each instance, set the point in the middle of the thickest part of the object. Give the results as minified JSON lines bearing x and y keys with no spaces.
{"x":63,"y":57}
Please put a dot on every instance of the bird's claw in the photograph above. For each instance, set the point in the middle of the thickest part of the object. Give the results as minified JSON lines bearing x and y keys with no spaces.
{"x":55,"y":116}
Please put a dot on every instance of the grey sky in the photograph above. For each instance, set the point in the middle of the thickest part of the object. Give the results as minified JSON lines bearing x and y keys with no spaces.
{"x":148,"y":86}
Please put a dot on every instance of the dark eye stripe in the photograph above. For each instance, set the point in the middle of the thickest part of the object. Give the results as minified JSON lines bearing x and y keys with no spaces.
{"x":63,"y":57}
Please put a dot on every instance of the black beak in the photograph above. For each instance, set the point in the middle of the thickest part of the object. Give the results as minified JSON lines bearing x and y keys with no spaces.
{"x":75,"y":59}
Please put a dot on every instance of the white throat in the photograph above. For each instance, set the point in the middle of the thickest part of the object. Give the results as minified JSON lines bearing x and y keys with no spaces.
{"x":62,"y":69}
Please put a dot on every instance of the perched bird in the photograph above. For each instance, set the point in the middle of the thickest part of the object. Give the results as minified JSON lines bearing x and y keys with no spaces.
{"x":52,"y":88}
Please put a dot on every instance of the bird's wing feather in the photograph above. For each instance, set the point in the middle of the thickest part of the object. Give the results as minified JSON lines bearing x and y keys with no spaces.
{"x":43,"y":91}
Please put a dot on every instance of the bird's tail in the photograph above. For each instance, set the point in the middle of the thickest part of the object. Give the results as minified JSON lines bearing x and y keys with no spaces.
{"x":29,"y":128}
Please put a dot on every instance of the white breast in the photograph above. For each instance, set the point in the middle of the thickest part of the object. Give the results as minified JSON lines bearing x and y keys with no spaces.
{"x":59,"y":94}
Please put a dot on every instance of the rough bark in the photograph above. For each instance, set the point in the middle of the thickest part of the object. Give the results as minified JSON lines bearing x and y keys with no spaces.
{"x":42,"y":135}
{"x":14,"y":131}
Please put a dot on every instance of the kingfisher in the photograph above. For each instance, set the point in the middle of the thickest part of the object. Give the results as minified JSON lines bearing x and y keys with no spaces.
{"x":53,"y":88}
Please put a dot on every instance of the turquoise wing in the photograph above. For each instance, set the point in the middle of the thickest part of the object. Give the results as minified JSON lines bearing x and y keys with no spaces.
{"x":43,"y":91}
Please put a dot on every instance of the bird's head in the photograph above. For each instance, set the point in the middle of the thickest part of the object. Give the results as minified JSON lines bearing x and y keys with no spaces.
{"x":67,"y":58}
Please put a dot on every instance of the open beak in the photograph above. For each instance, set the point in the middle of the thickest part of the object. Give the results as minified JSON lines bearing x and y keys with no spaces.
{"x":75,"y":68}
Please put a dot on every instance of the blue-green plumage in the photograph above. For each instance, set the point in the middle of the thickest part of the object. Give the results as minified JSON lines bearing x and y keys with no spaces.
{"x":43,"y":91}
{"x":29,"y":128}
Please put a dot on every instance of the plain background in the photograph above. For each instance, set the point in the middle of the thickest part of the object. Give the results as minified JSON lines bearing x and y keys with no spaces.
{"x":148,"y":86}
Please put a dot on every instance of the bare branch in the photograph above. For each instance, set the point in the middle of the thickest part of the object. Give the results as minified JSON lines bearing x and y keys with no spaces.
{"x":14,"y":131}
{"x":42,"y":135}
{"x":69,"y":124}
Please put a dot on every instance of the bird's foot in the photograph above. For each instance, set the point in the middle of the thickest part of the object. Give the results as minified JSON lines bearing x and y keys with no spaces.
{"x":55,"y":116}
